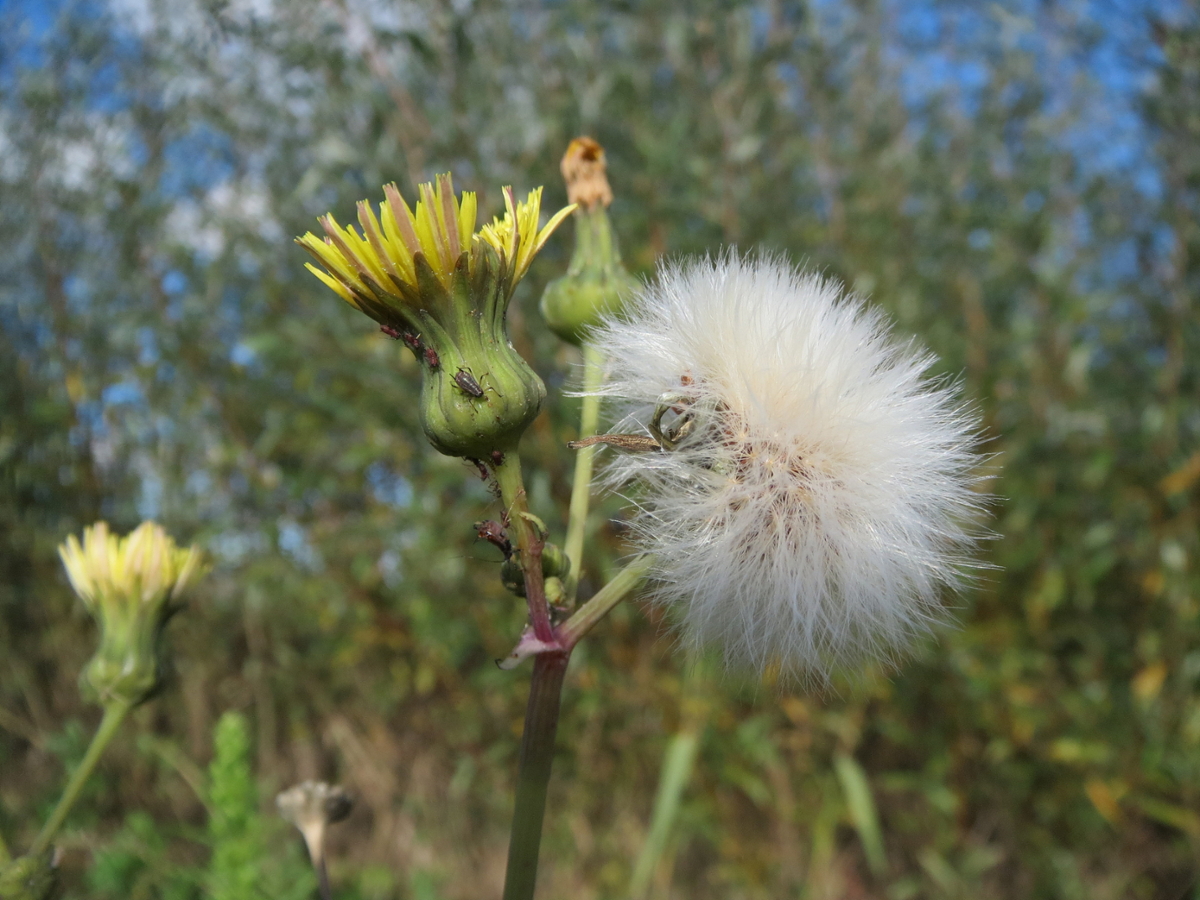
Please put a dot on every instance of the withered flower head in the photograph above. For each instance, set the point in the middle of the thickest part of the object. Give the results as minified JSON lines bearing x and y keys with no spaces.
{"x":312,"y":806}
{"x":596,"y":282}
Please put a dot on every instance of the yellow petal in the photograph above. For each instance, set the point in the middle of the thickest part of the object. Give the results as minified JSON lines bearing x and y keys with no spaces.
{"x":431,"y":231}
{"x":404,"y":220}
{"x":340,"y":289}
{"x":370,"y":227}
{"x":552,"y":226}
{"x":329,"y":256}
{"x":466,"y":218}
{"x":448,"y":218}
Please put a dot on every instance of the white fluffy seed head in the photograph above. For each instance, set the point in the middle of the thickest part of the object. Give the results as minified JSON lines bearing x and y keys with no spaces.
{"x":819,"y":498}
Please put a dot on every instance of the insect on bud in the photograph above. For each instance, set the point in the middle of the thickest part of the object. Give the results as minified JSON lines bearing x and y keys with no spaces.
{"x":493,"y":533}
{"x":428,"y":276}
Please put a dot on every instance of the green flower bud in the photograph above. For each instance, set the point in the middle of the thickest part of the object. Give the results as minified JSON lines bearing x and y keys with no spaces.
{"x":512,"y":576}
{"x":555,"y":592}
{"x":430,"y":280}
{"x":554,"y":562}
{"x":29,"y":877}
{"x":132,"y":587}
{"x":555,"y":565}
{"x":596,"y":282}
{"x":477,"y":395}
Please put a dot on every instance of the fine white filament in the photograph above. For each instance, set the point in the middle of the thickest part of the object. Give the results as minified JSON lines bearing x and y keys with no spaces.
{"x":818,"y":499}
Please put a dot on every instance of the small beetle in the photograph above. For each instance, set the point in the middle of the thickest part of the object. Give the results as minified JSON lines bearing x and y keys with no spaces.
{"x":431,"y":358}
{"x":497,"y":458}
{"x":411,"y":341}
{"x":467,"y":384}
{"x":393,"y":333}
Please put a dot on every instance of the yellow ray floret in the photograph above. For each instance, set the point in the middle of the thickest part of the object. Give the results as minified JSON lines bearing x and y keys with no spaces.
{"x":372,"y":266}
{"x":141,"y":568}
{"x":517,"y":235}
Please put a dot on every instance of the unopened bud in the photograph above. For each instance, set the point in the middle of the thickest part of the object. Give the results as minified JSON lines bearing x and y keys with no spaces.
{"x":555,"y":564}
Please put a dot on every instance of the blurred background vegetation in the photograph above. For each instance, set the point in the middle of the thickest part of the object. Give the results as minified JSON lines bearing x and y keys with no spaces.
{"x":1018,"y":184}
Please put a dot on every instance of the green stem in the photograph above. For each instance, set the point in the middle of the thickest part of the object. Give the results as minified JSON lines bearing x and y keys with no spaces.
{"x":602,"y":602}
{"x":529,"y":542}
{"x":550,"y":666}
{"x":589,"y":417}
{"x":114,"y":715}
{"x":676,"y":771}
{"x":541,"y":724}
{"x":537,"y":753}
{"x":595,"y":247}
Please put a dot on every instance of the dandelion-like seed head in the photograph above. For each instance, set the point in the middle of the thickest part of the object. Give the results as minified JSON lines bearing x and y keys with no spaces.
{"x":813,"y":495}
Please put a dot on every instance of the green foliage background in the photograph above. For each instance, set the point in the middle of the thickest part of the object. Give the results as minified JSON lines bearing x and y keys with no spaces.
{"x":163,"y":353}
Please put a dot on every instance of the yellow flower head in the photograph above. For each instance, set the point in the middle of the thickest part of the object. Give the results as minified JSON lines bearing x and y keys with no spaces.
{"x":129,"y":585}
{"x":430,"y":279}
{"x":373,"y":270}
{"x":141,"y":569}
